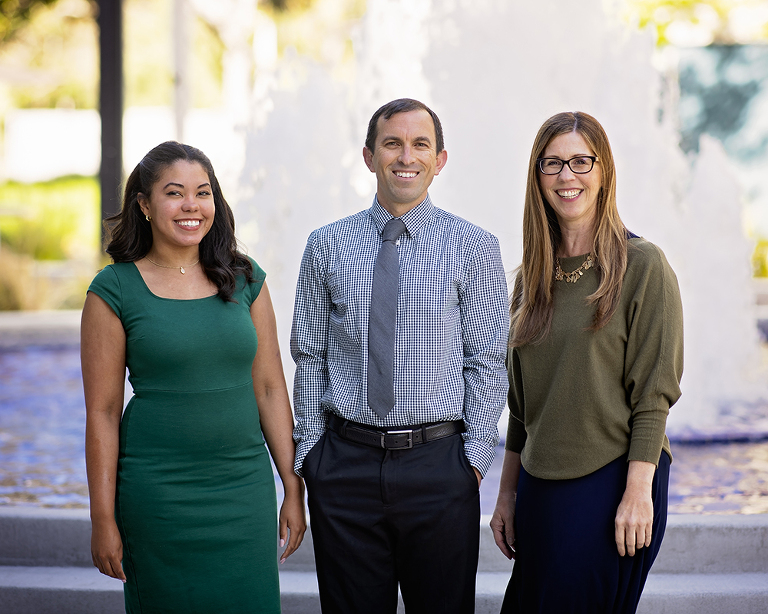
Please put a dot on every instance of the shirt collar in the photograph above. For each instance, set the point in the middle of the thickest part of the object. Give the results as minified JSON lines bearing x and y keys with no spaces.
{"x":413,"y":220}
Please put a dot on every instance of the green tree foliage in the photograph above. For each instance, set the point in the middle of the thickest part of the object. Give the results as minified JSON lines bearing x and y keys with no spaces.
{"x":50,"y":220}
{"x":287,"y":5}
{"x":14,"y":14}
{"x":715,"y":15}
{"x":52,"y":58}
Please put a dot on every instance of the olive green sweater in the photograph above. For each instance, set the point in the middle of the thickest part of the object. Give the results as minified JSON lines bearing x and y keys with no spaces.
{"x":580,"y":399}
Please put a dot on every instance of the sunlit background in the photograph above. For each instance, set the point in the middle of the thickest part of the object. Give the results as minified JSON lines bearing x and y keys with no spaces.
{"x":278,"y":94}
{"x":211,"y":73}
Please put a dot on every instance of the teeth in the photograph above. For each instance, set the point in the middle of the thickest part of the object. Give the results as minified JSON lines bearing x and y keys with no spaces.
{"x":568,"y":193}
{"x":189,"y":223}
{"x":408,"y":174}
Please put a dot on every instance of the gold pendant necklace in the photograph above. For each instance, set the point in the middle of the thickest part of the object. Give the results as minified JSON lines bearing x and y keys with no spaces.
{"x":181,"y":268}
{"x":573,"y":276}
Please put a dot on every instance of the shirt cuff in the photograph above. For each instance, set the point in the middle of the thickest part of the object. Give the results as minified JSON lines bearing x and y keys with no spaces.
{"x":302,"y":449}
{"x":479,"y":454}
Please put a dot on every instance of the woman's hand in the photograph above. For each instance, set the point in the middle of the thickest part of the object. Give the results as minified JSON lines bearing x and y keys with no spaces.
{"x":293,"y":521}
{"x":634,"y":518}
{"x":502,"y":521}
{"x":107,"y":549}
{"x":502,"y":525}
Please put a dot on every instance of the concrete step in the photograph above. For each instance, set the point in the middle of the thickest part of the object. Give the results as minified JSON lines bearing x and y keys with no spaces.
{"x":707,"y":564}
{"x":665,"y":593}
{"x":38,"y":536}
{"x":693,"y":544}
{"x":77,"y":590}
{"x":719,"y":544}
{"x":710,"y":593}
{"x":59,"y":590}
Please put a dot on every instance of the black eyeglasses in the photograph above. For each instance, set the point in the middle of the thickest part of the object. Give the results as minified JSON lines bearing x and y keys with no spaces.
{"x":579,"y":165}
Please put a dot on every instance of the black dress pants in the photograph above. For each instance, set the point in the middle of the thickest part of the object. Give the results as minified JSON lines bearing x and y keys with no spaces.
{"x":383,"y":517}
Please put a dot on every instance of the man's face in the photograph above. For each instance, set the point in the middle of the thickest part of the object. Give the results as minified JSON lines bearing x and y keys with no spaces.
{"x":404,"y":159}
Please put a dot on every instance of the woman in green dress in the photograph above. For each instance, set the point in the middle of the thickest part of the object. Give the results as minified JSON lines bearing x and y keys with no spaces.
{"x":183,"y":505}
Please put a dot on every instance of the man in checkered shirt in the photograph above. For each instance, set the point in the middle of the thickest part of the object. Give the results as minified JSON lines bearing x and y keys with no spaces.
{"x":394,"y":499}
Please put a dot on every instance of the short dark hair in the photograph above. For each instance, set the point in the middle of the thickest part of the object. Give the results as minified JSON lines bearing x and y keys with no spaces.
{"x":129,"y":235}
{"x":402,"y":105}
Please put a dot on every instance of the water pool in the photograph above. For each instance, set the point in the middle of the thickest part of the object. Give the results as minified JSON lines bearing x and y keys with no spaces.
{"x":42,"y":424}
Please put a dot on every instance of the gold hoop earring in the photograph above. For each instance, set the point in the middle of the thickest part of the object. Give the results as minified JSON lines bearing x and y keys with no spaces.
{"x":149,"y":218}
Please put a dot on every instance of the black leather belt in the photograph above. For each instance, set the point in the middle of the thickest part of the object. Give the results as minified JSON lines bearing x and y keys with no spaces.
{"x":393,"y":439}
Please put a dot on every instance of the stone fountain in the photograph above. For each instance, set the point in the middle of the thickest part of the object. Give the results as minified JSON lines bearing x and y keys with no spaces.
{"x":494,"y":71}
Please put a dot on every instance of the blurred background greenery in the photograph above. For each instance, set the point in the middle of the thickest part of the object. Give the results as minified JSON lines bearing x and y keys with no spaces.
{"x":50,"y":231}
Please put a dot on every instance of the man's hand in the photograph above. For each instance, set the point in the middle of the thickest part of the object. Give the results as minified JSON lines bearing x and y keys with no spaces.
{"x":479,"y":477}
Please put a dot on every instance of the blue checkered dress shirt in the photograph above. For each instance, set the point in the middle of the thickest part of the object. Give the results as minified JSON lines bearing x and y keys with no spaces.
{"x":452,"y":327}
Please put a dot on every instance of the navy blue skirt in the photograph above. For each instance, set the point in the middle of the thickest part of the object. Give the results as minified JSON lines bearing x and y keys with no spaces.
{"x":567,"y":561}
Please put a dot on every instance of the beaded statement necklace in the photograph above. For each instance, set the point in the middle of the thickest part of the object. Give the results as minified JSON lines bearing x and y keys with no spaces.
{"x":573,"y":276}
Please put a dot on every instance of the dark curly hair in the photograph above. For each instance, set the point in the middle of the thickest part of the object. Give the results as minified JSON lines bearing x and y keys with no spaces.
{"x":129,"y":235}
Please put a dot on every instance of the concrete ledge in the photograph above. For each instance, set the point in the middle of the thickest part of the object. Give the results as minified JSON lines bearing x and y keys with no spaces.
{"x":23,"y":328}
{"x":692,"y":544}
{"x":73,"y":590}
{"x":298,"y":591}
{"x":705,"y":594}
{"x":36,"y":536}
{"x":59,"y":590}
{"x":664,"y":593}
{"x":714,"y":544}
{"x":40,"y":536}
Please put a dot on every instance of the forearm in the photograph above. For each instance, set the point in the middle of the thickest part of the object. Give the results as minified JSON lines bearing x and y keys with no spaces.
{"x":277,"y":426}
{"x":510,"y":475}
{"x":101,"y":452}
{"x":640,"y":478}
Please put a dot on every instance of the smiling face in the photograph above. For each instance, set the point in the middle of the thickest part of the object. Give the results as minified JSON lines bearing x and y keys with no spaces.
{"x":180,"y":204}
{"x":405,"y":160}
{"x":572,"y":196}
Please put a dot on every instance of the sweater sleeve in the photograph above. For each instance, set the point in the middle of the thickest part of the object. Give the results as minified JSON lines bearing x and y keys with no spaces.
{"x":516,"y":434}
{"x":654,"y":353}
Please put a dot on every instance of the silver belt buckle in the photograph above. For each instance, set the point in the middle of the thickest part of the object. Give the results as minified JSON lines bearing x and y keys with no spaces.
{"x":408,"y":446}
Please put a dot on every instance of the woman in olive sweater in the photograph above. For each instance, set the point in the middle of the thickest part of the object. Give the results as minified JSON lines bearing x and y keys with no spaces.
{"x":595,"y":360}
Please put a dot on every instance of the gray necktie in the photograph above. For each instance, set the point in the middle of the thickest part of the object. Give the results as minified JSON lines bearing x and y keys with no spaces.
{"x":383,"y":321}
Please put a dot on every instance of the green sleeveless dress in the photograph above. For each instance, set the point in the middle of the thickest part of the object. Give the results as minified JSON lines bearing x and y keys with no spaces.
{"x":195,"y":502}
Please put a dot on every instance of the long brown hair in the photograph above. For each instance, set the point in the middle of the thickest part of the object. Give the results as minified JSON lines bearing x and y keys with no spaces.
{"x":532,"y":301}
